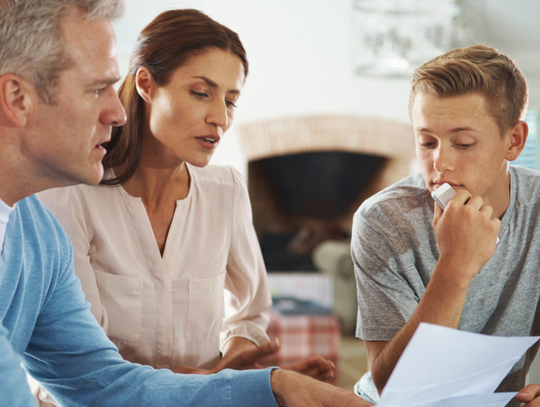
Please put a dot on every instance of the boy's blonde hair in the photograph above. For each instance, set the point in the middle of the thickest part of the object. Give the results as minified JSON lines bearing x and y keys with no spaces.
{"x":476,"y":69}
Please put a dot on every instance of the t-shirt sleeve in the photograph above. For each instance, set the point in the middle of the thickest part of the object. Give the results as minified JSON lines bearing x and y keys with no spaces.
{"x":386,"y":299}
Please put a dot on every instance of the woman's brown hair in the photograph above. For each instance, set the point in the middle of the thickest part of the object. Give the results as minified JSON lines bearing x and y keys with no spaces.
{"x":163,"y":46}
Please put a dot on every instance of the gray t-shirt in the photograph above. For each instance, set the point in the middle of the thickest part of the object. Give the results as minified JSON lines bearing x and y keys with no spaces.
{"x":395,"y":251}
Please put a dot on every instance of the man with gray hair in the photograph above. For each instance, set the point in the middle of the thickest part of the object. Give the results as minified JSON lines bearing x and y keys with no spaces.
{"x":57,"y":107}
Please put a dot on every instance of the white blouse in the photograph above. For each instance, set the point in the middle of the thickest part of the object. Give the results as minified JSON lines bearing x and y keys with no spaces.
{"x":5,"y":211}
{"x":169,"y":311}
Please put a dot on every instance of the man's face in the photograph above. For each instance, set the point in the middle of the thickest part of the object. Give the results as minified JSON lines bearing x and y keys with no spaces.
{"x":66,"y":137}
{"x":459,"y":143}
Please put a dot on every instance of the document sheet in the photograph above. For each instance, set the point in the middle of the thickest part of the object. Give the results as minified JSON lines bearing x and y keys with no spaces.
{"x":445,"y":367}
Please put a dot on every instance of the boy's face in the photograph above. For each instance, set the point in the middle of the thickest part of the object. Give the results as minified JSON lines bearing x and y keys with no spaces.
{"x":459,"y":143}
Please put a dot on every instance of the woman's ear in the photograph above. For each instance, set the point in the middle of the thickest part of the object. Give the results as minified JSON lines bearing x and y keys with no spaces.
{"x":16,"y":96}
{"x":145,"y":84}
{"x":517,"y":140}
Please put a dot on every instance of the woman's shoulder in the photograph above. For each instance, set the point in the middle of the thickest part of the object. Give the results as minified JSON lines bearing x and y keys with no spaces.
{"x":84,"y":200}
{"x":78,"y":192}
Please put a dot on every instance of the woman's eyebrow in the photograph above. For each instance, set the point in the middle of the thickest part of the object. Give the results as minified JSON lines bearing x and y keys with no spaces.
{"x":213,"y":84}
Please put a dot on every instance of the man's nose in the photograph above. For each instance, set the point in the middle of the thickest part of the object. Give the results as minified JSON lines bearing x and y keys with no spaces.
{"x":115,"y":113}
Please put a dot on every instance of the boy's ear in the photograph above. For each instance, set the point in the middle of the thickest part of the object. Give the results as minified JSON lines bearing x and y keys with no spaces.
{"x":16,"y":99}
{"x":145,"y":84}
{"x":517,"y":140}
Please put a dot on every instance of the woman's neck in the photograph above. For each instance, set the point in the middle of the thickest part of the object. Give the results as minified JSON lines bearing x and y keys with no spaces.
{"x":158,"y":186}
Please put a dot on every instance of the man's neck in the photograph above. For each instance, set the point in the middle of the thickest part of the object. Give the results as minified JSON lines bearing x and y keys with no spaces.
{"x":10,"y":196}
{"x":21,"y":177}
{"x":15,"y":175}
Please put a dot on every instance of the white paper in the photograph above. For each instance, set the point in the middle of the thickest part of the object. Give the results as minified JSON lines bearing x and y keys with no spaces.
{"x":441,"y":364}
{"x":484,"y":400}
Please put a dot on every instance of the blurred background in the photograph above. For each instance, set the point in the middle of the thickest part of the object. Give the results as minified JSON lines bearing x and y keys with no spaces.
{"x":302,"y":55}
{"x":323,"y":123}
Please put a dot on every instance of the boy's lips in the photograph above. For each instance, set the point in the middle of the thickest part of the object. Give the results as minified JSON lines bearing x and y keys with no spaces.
{"x":437,"y":184}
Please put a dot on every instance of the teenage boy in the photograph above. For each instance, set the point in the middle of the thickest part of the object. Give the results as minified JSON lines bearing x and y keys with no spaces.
{"x":415,"y":262}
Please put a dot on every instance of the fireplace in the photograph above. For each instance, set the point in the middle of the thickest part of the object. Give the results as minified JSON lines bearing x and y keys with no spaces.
{"x":308,"y":175}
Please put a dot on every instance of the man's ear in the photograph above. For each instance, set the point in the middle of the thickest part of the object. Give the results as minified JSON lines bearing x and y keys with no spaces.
{"x":145,"y":84}
{"x":517,"y":140}
{"x":16,"y":99}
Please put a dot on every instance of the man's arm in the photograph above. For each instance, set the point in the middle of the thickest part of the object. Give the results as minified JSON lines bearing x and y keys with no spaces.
{"x":466,"y":236}
{"x":13,"y":385}
{"x":295,"y":390}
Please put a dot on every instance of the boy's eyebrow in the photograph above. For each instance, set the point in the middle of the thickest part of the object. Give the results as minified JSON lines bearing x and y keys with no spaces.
{"x":459,"y":129}
{"x":456,"y":130}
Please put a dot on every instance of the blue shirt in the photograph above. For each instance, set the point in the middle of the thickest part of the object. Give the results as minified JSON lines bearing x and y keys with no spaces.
{"x":46,"y":320}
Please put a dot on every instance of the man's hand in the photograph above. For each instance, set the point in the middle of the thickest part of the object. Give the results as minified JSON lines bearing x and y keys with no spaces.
{"x":530,"y":395}
{"x":295,"y":390}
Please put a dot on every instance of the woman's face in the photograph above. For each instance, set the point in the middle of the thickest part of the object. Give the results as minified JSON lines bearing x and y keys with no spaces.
{"x":188,"y":116}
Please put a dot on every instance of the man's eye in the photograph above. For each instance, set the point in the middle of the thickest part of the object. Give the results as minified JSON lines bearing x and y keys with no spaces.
{"x":465,"y":146}
{"x":230,"y":103}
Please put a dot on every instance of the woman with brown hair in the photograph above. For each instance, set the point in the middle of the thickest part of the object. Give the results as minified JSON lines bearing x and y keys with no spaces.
{"x":164,"y":235}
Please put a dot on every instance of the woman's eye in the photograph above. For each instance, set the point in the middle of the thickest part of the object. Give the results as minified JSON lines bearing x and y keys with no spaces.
{"x":230,"y":103}
{"x":200,"y":95}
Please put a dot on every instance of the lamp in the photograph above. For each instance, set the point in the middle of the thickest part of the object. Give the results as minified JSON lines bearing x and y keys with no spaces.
{"x":392,"y":37}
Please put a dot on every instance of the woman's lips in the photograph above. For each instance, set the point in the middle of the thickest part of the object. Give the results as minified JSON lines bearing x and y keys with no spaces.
{"x":209,"y":142}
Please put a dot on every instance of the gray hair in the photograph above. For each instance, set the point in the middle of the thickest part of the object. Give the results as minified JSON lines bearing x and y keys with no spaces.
{"x":31,"y":42}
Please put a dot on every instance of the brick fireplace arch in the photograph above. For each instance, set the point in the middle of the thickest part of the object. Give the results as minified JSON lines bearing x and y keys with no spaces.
{"x":365,"y":136}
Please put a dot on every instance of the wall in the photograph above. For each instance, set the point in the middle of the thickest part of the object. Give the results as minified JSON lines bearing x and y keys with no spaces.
{"x":300,"y":55}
